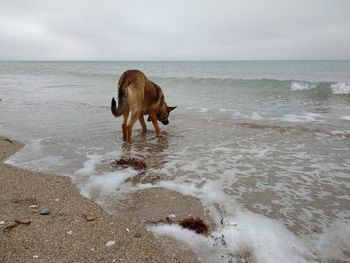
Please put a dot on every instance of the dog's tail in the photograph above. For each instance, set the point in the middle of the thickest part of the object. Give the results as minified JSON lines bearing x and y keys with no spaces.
{"x":122,"y":102}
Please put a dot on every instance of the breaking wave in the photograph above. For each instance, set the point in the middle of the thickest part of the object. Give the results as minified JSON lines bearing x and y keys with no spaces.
{"x":323,"y":87}
{"x":298,"y":86}
{"x":340,"y":88}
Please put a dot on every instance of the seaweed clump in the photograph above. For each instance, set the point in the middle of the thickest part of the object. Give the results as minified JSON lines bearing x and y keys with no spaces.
{"x":195,"y":224}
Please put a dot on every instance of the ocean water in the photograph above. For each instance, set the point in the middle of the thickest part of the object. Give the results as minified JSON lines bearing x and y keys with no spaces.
{"x":264,"y":145}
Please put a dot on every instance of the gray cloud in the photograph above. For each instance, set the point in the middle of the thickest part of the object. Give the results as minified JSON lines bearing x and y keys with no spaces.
{"x":174,"y":30}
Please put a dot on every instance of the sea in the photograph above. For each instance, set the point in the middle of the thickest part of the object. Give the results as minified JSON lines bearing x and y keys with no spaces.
{"x":264,"y":145}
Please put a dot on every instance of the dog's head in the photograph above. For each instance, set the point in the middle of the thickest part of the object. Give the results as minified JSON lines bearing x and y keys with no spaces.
{"x":163,"y":114}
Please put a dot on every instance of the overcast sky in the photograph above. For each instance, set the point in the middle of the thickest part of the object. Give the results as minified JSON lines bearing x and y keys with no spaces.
{"x":174,"y":30}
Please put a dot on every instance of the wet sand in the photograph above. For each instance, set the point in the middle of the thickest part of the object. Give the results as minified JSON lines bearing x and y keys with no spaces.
{"x":66,"y":236}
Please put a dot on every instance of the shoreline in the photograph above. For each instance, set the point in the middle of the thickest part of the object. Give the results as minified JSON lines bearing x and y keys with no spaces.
{"x":65,"y":235}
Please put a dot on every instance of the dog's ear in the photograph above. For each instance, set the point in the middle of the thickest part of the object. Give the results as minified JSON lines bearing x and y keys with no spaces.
{"x":171,"y":108}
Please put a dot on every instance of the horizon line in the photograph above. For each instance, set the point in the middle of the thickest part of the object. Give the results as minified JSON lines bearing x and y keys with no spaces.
{"x":177,"y":60}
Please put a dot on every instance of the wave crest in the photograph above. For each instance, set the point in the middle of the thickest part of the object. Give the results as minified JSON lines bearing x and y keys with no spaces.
{"x":340,"y":88}
{"x":297,"y":86}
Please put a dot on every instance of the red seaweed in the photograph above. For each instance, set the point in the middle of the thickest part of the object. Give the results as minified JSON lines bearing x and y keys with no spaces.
{"x":195,"y":224}
{"x":131,"y":162}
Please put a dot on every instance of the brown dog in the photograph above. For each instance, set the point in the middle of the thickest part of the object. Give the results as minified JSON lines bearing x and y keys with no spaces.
{"x":136,"y":93}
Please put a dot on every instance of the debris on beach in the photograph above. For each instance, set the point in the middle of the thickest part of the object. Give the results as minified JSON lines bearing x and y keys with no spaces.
{"x":16,"y":224}
{"x":10,"y":227}
{"x":195,"y":224}
{"x":31,"y":203}
{"x":23,"y":222}
{"x":227,"y":222}
{"x":131,"y":162}
{"x":219,"y":241}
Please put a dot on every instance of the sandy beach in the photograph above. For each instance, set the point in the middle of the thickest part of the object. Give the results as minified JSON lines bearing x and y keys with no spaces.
{"x":65,"y":235}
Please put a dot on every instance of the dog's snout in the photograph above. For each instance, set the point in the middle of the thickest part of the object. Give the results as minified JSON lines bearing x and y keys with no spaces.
{"x":165,"y":122}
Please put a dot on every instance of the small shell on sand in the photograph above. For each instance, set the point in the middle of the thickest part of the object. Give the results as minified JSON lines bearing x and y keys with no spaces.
{"x":110,"y":243}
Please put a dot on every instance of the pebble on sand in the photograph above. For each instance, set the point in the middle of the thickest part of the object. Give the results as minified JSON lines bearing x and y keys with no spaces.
{"x":171,"y":216}
{"x":14,"y":200}
{"x":90,"y":217}
{"x":110,"y":243}
{"x":2,"y":222}
{"x":137,"y":234}
{"x":45,"y":211}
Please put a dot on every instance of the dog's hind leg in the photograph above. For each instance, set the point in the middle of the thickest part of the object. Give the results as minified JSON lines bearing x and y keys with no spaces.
{"x":143,"y":124}
{"x":134,"y":117}
{"x":124,"y":125}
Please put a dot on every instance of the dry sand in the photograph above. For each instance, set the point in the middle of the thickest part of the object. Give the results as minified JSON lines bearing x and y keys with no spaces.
{"x":66,"y":236}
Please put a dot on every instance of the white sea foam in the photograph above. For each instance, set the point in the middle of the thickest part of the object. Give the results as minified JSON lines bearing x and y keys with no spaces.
{"x":99,"y":184}
{"x":237,"y":114}
{"x":256,"y":116}
{"x":197,"y":109}
{"x":299,"y":86}
{"x":102,"y":185}
{"x":331,"y":244}
{"x":307,"y":117}
{"x":30,"y":150}
{"x":345,"y":117}
{"x":32,"y":157}
{"x":343,"y":133}
{"x":90,"y":164}
{"x":266,"y":240}
{"x":340,"y":88}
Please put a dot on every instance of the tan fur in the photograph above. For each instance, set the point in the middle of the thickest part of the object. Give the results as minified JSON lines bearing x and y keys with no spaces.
{"x":139,"y":96}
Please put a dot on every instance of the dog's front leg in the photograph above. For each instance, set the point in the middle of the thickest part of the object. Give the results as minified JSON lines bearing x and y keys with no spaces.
{"x":154,"y":120}
{"x":143,"y":124}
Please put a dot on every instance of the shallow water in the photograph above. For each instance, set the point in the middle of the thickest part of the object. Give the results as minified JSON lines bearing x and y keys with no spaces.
{"x":264,"y":145}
